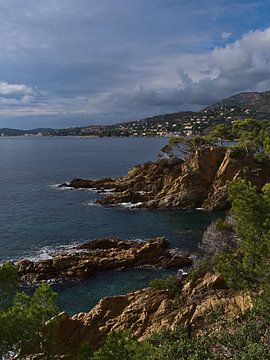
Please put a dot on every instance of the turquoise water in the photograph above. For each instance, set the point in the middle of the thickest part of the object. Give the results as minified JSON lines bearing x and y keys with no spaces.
{"x":37,"y":218}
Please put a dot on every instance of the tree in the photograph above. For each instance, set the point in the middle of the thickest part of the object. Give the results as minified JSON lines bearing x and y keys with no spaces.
{"x":8,"y":285}
{"x":184,"y":146}
{"x":266,"y":144}
{"x":21,"y":315}
{"x":250,"y":134}
{"x":123,"y":345}
{"x":218,"y":134}
{"x":249,"y":266}
{"x":176,"y":145}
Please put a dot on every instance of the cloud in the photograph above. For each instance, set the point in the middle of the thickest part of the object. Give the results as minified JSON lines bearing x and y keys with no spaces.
{"x":104,"y":61}
{"x":15,"y":89}
{"x":15,"y":97}
{"x":201,"y":79}
{"x":226,"y":35}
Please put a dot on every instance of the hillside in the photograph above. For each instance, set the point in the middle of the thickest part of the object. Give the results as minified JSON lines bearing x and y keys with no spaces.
{"x":240,"y":106}
{"x":249,"y":102}
{"x":17,"y":132}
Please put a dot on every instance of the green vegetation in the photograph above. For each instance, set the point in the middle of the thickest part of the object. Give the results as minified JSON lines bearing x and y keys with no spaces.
{"x":8,"y":284}
{"x":21,"y":315}
{"x":252,"y":136}
{"x":223,"y":225}
{"x":246,"y":338}
{"x":182,"y":145}
{"x":201,"y":268}
{"x":247,"y":267}
{"x":123,"y":345}
{"x":170,"y":284}
{"x":218,"y":134}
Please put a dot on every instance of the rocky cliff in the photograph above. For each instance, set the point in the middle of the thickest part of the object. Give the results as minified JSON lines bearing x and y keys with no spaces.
{"x":100,"y":255}
{"x":143,"y":312}
{"x":198,"y":182}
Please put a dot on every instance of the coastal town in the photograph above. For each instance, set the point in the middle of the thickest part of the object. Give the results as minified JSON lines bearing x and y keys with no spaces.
{"x":175,"y":124}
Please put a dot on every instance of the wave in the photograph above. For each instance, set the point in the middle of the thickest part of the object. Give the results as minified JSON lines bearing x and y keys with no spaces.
{"x":130,"y":205}
{"x":60,"y":187}
{"x":90,"y":203}
{"x":106,"y":191}
{"x":47,"y":252}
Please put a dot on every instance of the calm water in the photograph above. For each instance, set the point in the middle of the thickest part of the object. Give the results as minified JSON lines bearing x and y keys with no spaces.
{"x":36,"y":217}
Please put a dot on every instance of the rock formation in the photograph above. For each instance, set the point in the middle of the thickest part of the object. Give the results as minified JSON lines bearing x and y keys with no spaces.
{"x":198,"y":182}
{"x":144,"y":312}
{"x":103,"y":254}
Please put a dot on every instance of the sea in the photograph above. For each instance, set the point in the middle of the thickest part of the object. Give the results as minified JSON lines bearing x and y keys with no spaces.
{"x":38,"y":218}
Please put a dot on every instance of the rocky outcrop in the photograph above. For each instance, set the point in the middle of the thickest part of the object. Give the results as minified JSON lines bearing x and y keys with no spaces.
{"x":144,"y":312}
{"x":198,"y":182}
{"x":100,"y":255}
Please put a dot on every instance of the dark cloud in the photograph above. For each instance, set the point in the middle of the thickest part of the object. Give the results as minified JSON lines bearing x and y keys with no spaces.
{"x":64,"y":62}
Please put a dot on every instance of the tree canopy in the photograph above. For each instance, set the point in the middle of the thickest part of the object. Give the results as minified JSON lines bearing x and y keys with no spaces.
{"x":21,"y":315}
{"x":249,"y":265}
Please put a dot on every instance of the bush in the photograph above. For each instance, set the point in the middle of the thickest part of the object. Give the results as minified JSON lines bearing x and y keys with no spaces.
{"x":219,"y":237}
{"x":21,"y":316}
{"x":234,"y":340}
{"x":8,"y":284}
{"x":179,"y":344}
{"x":201,"y":268}
{"x":170,"y":284}
{"x":249,"y":266}
{"x":124,"y":346}
{"x":223,"y":225}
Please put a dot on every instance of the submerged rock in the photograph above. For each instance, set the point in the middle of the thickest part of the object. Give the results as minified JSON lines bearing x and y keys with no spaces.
{"x":198,"y":182}
{"x":91,"y":257}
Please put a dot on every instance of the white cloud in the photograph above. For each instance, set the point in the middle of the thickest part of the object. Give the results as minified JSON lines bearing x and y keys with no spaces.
{"x":164,"y":84}
{"x":15,"y":89}
{"x":203,"y":78}
{"x":226,"y":35}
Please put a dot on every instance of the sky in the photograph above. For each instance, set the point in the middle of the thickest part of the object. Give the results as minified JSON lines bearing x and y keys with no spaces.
{"x":81,"y":62}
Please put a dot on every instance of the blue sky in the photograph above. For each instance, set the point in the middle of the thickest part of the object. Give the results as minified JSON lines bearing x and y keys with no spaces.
{"x":80,"y":62}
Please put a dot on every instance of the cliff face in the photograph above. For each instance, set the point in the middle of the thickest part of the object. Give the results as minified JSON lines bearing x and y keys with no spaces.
{"x":198,"y":182}
{"x":143,"y":312}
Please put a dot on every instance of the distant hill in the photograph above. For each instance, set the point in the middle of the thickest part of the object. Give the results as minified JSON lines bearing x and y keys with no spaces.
{"x":236,"y":107}
{"x":17,"y":132}
{"x":257,"y":103}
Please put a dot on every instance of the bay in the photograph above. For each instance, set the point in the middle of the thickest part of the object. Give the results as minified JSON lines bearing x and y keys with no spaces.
{"x":36,"y":217}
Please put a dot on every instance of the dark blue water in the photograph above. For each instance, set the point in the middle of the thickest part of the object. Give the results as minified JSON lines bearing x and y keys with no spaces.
{"x":36,"y":217}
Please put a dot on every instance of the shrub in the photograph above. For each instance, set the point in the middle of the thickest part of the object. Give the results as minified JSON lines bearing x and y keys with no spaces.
{"x":179,"y":344}
{"x":201,"y":268}
{"x":124,"y":346}
{"x":21,"y":316}
{"x":249,"y":267}
{"x":171,"y":284}
{"x":223,"y":225}
{"x":219,"y":237}
{"x":8,"y":284}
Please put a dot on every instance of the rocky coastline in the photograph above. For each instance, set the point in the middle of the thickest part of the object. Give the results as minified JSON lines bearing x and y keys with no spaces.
{"x":199,"y":181}
{"x":144,"y":312}
{"x":95,"y":256}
